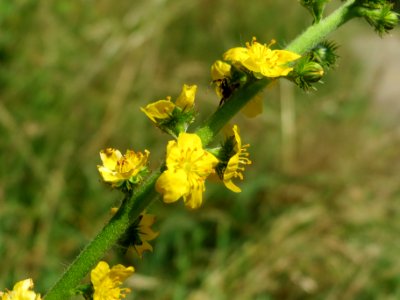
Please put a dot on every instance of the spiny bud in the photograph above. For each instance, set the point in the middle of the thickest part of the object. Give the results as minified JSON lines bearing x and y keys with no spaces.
{"x":324,"y":54}
{"x":311,"y":72}
{"x":306,"y":73}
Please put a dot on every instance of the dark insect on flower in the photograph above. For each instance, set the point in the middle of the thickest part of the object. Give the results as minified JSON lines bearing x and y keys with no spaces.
{"x":226,"y":89}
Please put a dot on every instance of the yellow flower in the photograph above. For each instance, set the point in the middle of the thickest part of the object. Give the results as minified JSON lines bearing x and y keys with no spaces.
{"x":118,"y":168}
{"x":144,"y":233}
{"x":261,"y":59}
{"x":106,"y":282}
{"x":238,"y":158}
{"x":21,"y":291}
{"x":162,"y":109}
{"x":139,"y":233}
{"x":188,"y":166}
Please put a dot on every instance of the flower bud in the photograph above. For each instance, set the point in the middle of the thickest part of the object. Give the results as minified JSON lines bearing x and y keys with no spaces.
{"x":324,"y":54}
{"x":312,"y":72}
{"x":383,"y":19}
{"x":306,"y":73}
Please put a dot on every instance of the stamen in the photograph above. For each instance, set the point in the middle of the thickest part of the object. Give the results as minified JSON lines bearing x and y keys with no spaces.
{"x":272,"y":42}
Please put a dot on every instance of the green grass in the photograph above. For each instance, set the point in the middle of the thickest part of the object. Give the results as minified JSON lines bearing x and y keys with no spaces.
{"x":318,"y":217}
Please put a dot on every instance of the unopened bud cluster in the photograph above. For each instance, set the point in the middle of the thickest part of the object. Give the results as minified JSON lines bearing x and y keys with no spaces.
{"x":313,"y":65}
{"x":378,"y":13}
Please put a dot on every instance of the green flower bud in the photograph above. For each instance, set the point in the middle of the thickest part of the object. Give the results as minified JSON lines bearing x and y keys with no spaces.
{"x":324,"y":54}
{"x":312,"y":72}
{"x":305,"y":73}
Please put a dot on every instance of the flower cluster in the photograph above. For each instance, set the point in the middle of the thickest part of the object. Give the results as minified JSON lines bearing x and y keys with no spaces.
{"x":314,"y":64}
{"x":379,"y":14}
{"x":188,"y":164}
{"x":243,"y":65}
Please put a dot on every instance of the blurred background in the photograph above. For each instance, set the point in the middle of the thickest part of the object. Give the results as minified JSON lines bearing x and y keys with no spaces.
{"x":319,"y":212}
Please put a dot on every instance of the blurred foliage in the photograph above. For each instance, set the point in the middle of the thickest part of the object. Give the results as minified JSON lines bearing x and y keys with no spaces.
{"x":318,"y":217}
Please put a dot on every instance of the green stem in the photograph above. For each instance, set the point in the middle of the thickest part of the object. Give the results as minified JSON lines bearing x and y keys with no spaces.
{"x":224,"y":113}
{"x":108,"y":236}
{"x":145,"y":194}
{"x":318,"y":32}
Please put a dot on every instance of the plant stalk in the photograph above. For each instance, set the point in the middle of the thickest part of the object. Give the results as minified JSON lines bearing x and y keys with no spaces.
{"x":130,"y":209}
{"x":133,"y":205}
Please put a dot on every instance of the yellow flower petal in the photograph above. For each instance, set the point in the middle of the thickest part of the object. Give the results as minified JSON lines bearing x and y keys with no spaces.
{"x":120,"y":273}
{"x":161,"y":109}
{"x":144,"y":233}
{"x":186,"y":98}
{"x":220,"y":70}
{"x":172,"y":185}
{"x":194,"y":199}
{"x":109,"y":157}
{"x":238,"y":54}
{"x":145,"y":246}
{"x":230,"y":172}
{"x":284,"y":55}
{"x":108,"y":175}
{"x":254,"y":107}
{"x":236,"y":163}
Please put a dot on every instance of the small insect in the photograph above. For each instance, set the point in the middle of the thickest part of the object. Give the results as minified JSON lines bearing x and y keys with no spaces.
{"x":227,"y":88}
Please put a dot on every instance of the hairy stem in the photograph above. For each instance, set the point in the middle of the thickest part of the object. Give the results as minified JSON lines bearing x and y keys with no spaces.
{"x":130,"y":209}
{"x":132,"y":206}
{"x":318,"y":32}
